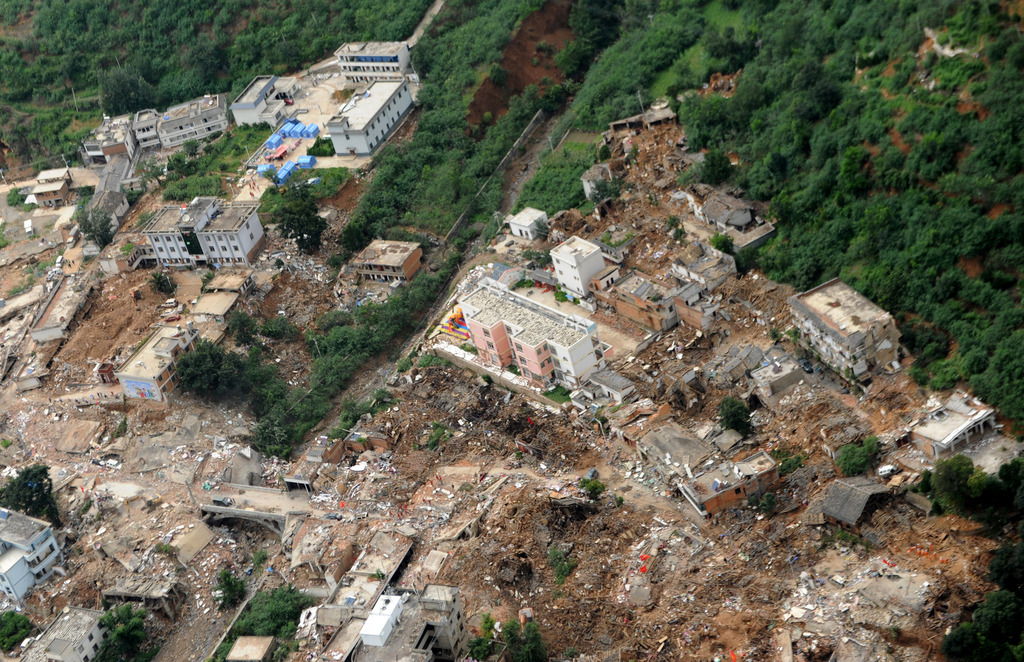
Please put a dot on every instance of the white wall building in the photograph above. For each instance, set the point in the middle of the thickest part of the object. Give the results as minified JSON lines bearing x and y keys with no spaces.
{"x":149,"y":373}
{"x":576,"y":261}
{"x":382,"y":620}
{"x":207,"y":231}
{"x":371,"y":61}
{"x":529,"y":223}
{"x":367,"y":119}
{"x":192,"y":120}
{"x":28,"y":553}
{"x":264,"y":101}
{"x":74,"y":636}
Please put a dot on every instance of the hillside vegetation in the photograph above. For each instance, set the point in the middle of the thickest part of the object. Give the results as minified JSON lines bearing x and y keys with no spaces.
{"x":885,"y":161}
{"x":121,"y":56}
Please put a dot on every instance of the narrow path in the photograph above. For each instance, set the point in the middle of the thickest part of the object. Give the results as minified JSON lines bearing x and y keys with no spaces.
{"x":434,"y":10}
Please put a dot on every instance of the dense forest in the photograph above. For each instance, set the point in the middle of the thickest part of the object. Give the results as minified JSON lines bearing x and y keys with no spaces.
{"x":120,"y":56}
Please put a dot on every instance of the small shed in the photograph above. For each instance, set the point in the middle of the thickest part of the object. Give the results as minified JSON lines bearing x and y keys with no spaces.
{"x":252,"y":649}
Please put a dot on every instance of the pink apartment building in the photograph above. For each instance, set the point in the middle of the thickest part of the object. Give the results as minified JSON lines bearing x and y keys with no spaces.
{"x":547,"y":346}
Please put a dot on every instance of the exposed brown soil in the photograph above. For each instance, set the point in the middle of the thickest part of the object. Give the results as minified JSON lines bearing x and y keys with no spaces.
{"x":967,"y":107}
{"x":971,"y":266}
{"x":524,"y":63}
{"x":897,"y":140}
{"x":997,"y":210}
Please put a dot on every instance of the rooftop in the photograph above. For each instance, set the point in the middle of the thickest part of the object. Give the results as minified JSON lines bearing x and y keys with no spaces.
{"x":610,"y":380}
{"x":533,"y":323}
{"x":229,"y":280}
{"x":371,"y":48}
{"x":673,"y":447}
{"x":714,"y":479}
{"x":141,"y":586}
{"x":390,"y":253}
{"x":368,"y":104}
{"x":194,"y":107}
{"x":152,"y":358}
{"x":215,"y":303}
{"x":642,"y":288}
{"x":62,"y":307}
{"x":847,"y":498}
{"x":250,"y":648}
{"x":528,"y":217}
{"x":573,"y":247}
{"x":107,"y":201}
{"x":255,"y":90}
{"x":231,"y":216}
{"x":68,"y":629}
{"x":841,"y":307}
{"x":948,"y":421}
{"x":112,"y":130}
{"x":54,"y":173}
{"x":49,"y":187}
{"x":169,"y":217}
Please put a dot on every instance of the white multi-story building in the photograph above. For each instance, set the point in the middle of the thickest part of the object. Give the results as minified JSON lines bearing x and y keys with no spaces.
{"x":847,"y":330}
{"x":207,"y":231}
{"x":149,"y":373}
{"x":576,"y":261}
{"x":544,"y":344}
{"x":371,"y":61}
{"x":264,"y":100}
{"x":76,"y":635}
{"x":28,"y":553}
{"x":368,"y":119}
{"x":144,"y":125}
{"x":192,"y":120}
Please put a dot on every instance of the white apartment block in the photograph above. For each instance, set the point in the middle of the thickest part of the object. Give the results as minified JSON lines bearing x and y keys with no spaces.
{"x":206,"y":231}
{"x":76,"y":635}
{"x":576,"y":261}
{"x":192,"y":120}
{"x":28,"y":553}
{"x":845,"y":328}
{"x":144,"y":125}
{"x":367,"y":119}
{"x":372,"y":61}
{"x":262,"y":101}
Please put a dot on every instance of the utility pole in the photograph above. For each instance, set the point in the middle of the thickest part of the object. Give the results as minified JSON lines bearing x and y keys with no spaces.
{"x":75,"y":97}
{"x":641,"y":102}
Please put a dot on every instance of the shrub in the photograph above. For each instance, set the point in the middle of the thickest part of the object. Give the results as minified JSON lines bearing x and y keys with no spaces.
{"x":562,"y":565}
{"x":854,"y":459}
{"x":593,"y":487}
{"x":734,"y":415}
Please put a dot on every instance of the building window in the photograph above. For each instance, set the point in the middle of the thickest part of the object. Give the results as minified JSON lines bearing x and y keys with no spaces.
{"x":487,"y":333}
{"x":490,"y":345}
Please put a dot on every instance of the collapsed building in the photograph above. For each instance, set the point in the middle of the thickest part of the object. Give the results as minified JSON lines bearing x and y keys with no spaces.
{"x":946,"y":430}
{"x":730,"y":484}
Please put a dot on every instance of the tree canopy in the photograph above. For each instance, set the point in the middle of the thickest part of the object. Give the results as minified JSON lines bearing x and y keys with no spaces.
{"x":14,"y":627}
{"x":31,"y":493}
{"x":96,"y":227}
{"x":298,"y":219}
{"x":734,"y":415}
{"x":126,"y":634}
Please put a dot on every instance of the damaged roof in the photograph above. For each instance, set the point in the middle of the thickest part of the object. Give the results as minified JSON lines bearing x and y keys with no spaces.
{"x":847,"y":498}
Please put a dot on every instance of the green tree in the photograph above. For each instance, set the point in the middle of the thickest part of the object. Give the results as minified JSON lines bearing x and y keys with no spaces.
{"x":14,"y":627}
{"x":952,"y":483}
{"x":162,"y":283}
{"x":231,"y":588}
{"x":96,"y":227}
{"x":242,"y":326}
{"x":1007,"y":567}
{"x":190,"y":148}
{"x":722,"y":242}
{"x":524,"y":643}
{"x":125,"y":91}
{"x":734,"y":415}
{"x":31,"y":493}
{"x":854,"y":459}
{"x":297,"y":218}
{"x":126,"y":634}
{"x":210,"y":369}
{"x":768,"y":503}
{"x":273,"y":613}
{"x":593,"y":487}
{"x":716,"y":167}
